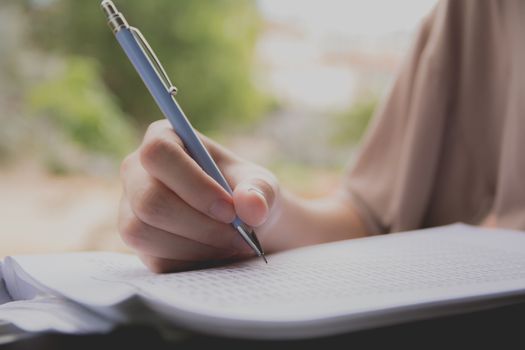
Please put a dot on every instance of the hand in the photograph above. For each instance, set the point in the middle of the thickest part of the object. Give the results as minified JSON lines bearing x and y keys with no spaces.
{"x":176,"y":217}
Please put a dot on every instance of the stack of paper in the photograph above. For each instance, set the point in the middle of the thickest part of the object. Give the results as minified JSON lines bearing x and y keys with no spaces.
{"x":313,"y":291}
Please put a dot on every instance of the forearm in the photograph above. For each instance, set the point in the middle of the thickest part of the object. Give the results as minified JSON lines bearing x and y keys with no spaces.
{"x":300,"y":222}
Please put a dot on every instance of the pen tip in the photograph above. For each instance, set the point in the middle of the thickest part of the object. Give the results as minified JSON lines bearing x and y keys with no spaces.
{"x":264,"y":258}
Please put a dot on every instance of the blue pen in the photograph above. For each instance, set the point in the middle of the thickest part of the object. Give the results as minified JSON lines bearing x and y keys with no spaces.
{"x":159,"y":85}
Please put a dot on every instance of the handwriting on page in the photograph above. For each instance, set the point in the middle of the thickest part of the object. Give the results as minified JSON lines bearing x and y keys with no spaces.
{"x":362,"y":270}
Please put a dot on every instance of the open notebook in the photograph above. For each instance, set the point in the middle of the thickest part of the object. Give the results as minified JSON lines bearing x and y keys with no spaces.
{"x":313,"y":291}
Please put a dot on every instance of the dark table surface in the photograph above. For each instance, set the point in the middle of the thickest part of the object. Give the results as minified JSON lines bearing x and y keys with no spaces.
{"x":500,"y":328}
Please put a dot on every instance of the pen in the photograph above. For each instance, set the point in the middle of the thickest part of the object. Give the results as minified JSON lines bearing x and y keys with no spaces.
{"x":159,"y":85}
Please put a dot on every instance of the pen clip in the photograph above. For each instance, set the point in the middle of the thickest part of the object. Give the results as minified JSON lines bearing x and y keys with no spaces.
{"x":172,"y":90}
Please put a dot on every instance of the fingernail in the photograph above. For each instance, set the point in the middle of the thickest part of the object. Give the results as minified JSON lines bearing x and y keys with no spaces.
{"x":260,"y":194}
{"x":258,"y":191}
{"x":222,"y":211}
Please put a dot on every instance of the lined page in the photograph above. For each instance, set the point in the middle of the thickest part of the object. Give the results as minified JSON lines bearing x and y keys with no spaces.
{"x":348,"y":277}
{"x":323,"y":281}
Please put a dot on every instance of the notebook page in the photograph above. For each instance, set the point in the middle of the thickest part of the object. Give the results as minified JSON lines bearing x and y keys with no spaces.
{"x":38,"y":312}
{"x":325,"y":281}
{"x":352,"y":277}
{"x":4,"y":296}
{"x":52,"y":314}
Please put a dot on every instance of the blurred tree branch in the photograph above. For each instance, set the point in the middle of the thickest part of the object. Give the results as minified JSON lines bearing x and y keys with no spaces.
{"x":207,"y":47}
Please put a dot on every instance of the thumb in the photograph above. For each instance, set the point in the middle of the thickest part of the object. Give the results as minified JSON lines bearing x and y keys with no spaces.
{"x":253,"y":200}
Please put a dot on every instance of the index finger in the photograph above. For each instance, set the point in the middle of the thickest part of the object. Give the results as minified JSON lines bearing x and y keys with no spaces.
{"x":163,"y":155}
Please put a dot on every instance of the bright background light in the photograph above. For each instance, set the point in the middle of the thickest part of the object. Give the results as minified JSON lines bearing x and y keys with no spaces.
{"x":316,"y":50}
{"x":324,"y":65}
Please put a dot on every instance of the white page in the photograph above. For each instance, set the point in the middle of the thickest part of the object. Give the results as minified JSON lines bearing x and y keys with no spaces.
{"x":305,"y":286}
{"x":50,"y":313}
{"x":4,"y":296}
{"x":44,"y":312}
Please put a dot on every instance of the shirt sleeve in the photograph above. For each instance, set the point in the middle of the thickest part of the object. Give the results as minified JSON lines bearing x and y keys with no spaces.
{"x":392,"y":178}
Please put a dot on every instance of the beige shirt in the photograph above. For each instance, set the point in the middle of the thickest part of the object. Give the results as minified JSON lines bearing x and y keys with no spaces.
{"x":448,"y":144}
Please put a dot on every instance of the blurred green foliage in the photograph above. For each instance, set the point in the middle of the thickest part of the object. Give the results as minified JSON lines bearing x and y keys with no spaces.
{"x":206,"y":47}
{"x":351,"y":125}
{"x":79,"y":104}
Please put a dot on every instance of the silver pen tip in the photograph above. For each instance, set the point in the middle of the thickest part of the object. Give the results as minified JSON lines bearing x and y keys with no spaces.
{"x":260,"y":250}
{"x":252,"y":241}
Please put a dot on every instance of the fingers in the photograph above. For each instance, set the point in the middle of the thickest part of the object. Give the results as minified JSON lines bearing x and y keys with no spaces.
{"x":255,"y":188}
{"x":254,"y":198}
{"x":159,"y":207}
{"x":176,"y":216}
{"x":151,"y":241}
{"x":222,"y":156}
{"x":162,"y":265}
{"x":164,"y":157}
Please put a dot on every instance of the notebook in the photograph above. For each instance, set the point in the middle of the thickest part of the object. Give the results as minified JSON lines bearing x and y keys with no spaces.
{"x":307,"y":292}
